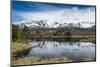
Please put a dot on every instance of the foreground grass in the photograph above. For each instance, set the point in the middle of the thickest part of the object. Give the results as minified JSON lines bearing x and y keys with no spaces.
{"x":37,"y":60}
{"x":16,"y":47}
{"x":19,"y":50}
{"x":88,"y":59}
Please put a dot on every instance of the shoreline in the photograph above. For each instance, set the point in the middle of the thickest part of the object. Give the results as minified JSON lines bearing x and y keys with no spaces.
{"x":64,"y":38}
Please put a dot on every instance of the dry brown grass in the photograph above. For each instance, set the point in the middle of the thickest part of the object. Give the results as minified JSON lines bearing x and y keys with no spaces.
{"x":37,"y":60}
{"x":88,"y":59}
{"x":16,"y":47}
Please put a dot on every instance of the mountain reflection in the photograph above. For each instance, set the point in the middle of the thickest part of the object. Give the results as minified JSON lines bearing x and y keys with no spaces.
{"x":72,"y":50}
{"x":42,"y":44}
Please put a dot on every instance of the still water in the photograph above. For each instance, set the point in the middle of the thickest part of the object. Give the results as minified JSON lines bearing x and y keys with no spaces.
{"x":75,"y":51}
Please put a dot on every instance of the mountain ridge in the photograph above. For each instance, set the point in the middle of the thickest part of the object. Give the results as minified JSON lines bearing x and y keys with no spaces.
{"x":55,"y":24}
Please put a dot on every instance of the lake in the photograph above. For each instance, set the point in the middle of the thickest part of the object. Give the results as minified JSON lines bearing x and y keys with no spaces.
{"x":75,"y":51}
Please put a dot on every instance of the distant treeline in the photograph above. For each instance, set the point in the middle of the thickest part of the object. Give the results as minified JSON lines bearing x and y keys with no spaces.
{"x":24,"y":33}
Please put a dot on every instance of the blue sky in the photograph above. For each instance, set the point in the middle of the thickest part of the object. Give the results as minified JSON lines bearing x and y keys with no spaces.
{"x":37,"y":6}
{"x":20,"y":8}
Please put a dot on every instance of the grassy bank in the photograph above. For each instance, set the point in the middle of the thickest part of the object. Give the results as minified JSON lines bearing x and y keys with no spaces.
{"x":37,"y":60}
{"x":16,"y":47}
{"x":19,"y":49}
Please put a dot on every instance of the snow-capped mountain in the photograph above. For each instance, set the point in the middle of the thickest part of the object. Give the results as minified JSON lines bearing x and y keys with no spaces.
{"x":55,"y":24}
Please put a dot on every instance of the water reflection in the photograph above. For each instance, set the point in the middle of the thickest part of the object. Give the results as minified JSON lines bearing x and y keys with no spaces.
{"x":73,"y":50}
